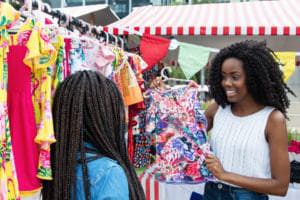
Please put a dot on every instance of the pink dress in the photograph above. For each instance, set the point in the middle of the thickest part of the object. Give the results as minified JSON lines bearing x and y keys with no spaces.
{"x":22,"y":120}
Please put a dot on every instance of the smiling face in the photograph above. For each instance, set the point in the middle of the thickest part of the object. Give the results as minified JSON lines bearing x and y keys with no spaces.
{"x":234,"y":81}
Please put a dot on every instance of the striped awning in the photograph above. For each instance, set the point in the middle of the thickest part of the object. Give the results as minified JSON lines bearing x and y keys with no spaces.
{"x":280,"y":17}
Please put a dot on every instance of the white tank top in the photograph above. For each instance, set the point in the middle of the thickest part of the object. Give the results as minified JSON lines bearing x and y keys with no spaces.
{"x":240,"y":143}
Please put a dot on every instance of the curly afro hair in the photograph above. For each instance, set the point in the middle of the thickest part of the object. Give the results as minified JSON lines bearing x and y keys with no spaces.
{"x":264,"y":78}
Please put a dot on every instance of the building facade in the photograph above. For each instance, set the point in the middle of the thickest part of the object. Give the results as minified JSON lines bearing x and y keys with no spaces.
{"x":121,"y":7}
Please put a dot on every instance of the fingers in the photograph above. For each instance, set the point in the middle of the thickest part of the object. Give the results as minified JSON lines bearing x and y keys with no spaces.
{"x":157,"y":83}
{"x":212,"y":167}
{"x":210,"y":156}
{"x":193,"y":84}
{"x":211,"y":161}
{"x":153,"y":83}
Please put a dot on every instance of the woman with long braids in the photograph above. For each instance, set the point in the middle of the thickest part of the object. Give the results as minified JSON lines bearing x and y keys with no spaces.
{"x":89,"y":159}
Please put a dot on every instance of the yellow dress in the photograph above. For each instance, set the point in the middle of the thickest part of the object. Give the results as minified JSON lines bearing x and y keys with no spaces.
{"x":9,"y":188}
{"x":58,"y":69}
{"x":40,"y":57}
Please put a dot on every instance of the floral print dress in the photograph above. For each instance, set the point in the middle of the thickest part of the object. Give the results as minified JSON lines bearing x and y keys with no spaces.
{"x":9,"y":188}
{"x":179,"y":127}
{"x":40,"y":57}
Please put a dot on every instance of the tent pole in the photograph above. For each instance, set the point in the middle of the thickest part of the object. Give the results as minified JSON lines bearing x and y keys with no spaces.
{"x":129,"y":6}
{"x":62,"y":3}
{"x":202,"y":82}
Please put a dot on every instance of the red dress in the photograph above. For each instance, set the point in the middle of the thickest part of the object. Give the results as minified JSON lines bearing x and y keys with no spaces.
{"x":22,"y":120}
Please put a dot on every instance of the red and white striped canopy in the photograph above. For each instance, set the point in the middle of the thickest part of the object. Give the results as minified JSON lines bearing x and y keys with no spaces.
{"x":280,"y":17}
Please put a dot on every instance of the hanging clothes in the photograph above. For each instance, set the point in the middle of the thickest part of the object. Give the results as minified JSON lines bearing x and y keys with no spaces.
{"x":125,"y":79}
{"x":22,"y":120}
{"x":105,"y":57}
{"x":142,"y":150}
{"x":40,"y":58}
{"x":97,"y":56}
{"x":58,"y":70}
{"x":9,"y":188}
{"x":67,"y":66}
{"x":137,"y":65}
{"x":88,"y":54}
{"x":175,"y":118}
{"x":77,"y":57}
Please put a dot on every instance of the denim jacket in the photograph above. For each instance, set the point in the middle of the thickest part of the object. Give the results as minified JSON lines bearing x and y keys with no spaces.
{"x":107,"y":179}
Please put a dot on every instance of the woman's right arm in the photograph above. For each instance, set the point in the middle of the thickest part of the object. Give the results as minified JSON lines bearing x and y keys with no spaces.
{"x":210,"y":114}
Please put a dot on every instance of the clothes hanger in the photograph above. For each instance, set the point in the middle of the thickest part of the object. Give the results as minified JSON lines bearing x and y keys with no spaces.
{"x":167,"y":79}
{"x":122,"y":42}
{"x":183,"y":82}
{"x":116,"y":40}
{"x":106,"y":38}
{"x":25,"y":13}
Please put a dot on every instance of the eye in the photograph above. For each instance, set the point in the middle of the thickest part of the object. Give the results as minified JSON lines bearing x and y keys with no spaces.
{"x":235,"y":78}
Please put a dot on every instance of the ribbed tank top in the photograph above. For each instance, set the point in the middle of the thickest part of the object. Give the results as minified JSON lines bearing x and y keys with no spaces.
{"x":240,"y":143}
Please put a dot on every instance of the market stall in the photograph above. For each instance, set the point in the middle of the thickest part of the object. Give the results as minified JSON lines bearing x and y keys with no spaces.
{"x":218,"y":25}
{"x":215,"y":26}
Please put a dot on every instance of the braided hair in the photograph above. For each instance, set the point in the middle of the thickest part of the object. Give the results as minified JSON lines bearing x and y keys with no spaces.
{"x":87,"y":107}
{"x":264,"y":78}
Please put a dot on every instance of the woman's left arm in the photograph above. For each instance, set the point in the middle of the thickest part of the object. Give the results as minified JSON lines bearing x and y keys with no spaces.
{"x":276,"y":134}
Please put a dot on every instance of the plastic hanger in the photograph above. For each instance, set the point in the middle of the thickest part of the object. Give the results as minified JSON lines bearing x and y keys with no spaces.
{"x":122,"y":42}
{"x":106,"y":38}
{"x":116,"y":40}
{"x":166,"y":78}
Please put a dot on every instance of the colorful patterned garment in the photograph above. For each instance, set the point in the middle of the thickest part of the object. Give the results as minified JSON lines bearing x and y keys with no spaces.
{"x":150,"y":75}
{"x":125,"y":79}
{"x":174,"y":117}
{"x":98,"y":57}
{"x":40,"y":57}
{"x":137,"y":64}
{"x":9,"y":188}
{"x":58,"y":71}
{"x":142,"y":145}
{"x":77,"y":57}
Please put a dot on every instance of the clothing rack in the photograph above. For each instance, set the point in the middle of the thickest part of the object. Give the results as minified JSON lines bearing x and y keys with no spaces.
{"x":70,"y":22}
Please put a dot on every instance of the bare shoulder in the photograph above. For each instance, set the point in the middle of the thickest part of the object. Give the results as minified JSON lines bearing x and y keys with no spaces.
{"x":211,"y":110}
{"x":276,"y":124}
{"x":210,"y":114}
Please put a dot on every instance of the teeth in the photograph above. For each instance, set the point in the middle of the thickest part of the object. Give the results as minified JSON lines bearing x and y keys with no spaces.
{"x":230,"y":92}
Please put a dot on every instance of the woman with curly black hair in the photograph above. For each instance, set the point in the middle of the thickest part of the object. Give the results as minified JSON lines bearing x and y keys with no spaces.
{"x":248,"y":124}
{"x":89,"y":158}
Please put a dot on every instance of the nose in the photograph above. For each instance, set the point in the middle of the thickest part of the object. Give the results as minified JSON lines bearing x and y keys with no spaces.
{"x":226,"y":82}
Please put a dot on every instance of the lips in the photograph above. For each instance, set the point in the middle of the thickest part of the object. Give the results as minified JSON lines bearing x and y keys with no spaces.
{"x":230,"y":93}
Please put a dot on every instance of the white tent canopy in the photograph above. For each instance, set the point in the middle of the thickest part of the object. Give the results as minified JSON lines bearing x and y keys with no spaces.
{"x":241,"y":18}
{"x":217,"y":25}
